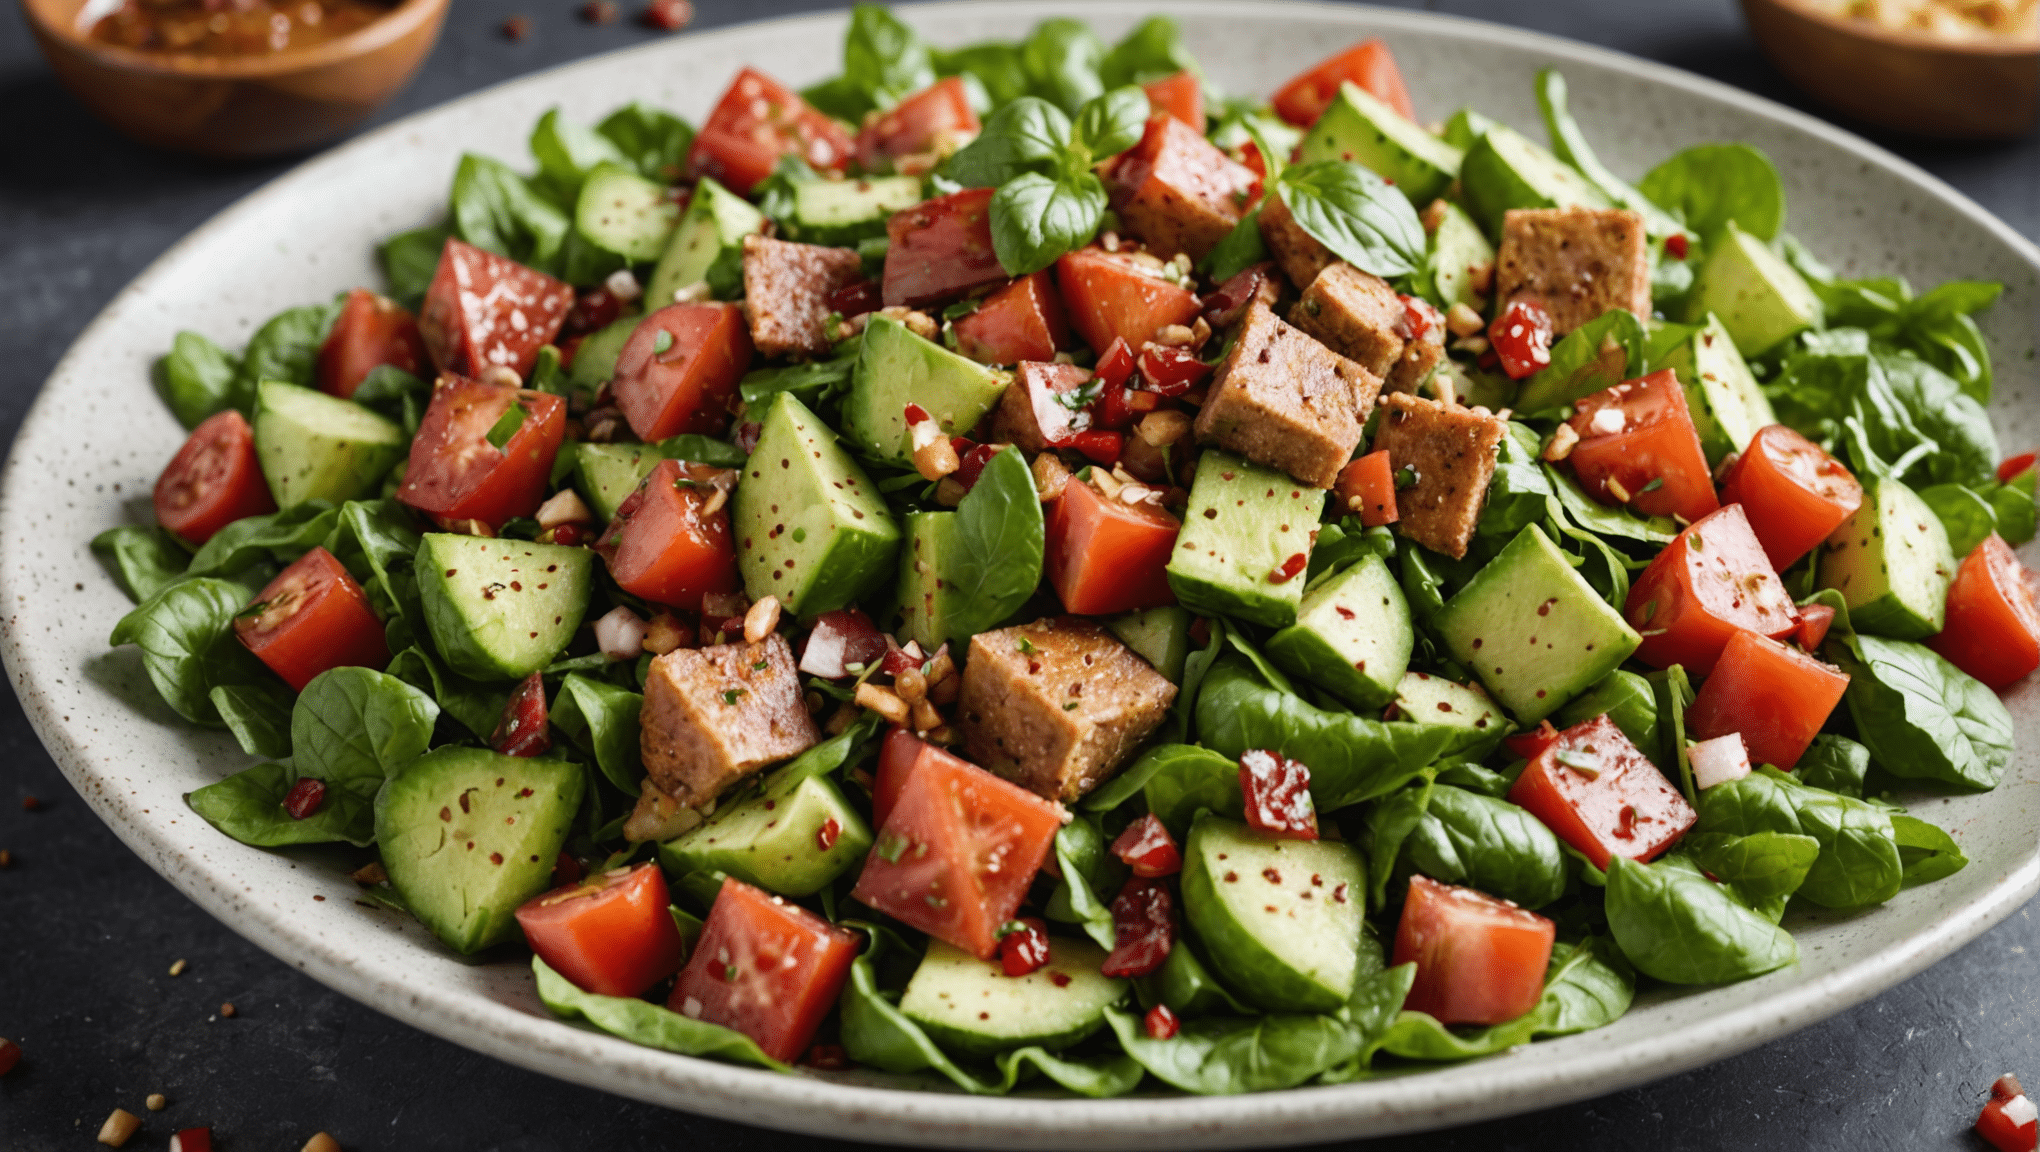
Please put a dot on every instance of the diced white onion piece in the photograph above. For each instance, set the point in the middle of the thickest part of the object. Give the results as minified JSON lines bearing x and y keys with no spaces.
{"x":1607,"y":422}
{"x":2020,"y":1111}
{"x":824,"y":653}
{"x":620,"y":634}
{"x":622,"y":285}
{"x":565,"y":507}
{"x":1719,"y":760}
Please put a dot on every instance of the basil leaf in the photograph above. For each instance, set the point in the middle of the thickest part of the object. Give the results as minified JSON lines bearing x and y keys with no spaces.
{"x":1709,"y":185}
{"x":1185,"y":983}
{"x":1474,"y":840}
{"x":642,"y":1022}
{"x":999,"y":538}
{"x":1599,"y":354}
{"x":477,"y":707}
{"x":1675,"y":924}
{"x":1760,"y":866}
{"x":2016,"y":513}
{"x":1920,"y":716}
{"x":1929,"y":853}
{"x":147,"y":560}
{"x":186,"y":634}
{"x":377,"y":540}
{"x":1389,"y":825}
{"x":495,"y":210}
{"x":285,"y":348}
{"x":1241,"y":249}
{"x":1221,"y":1055}
{"x":1036,"y":219}
{"x":1967,"y":515}
{"x":1110,"y":124}
{"x":258,"y":714}
{"x":248,"y":806}
{"x":1028,"y":135}
{"x":196,"y":378}
{"x":409,"y":260}
{"x":1363,"y":219}
{"x":1570,"y":145}
{"x":1062,"y":57}
{"x":602,"y":720}
{"x":652,"y":140}
{"x":883,"y":58}
{"x":1152,"y":51}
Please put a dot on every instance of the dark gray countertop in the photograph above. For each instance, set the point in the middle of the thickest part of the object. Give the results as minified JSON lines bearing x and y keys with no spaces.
{"x":87,"y":933}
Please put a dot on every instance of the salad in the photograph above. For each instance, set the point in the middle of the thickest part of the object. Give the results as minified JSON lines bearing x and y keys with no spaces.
{"x":1014,"y":563}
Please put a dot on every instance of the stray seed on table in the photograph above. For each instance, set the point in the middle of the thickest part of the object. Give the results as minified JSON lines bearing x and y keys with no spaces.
{"x":157,"y":1102}
{"x":320,"y":1142}
{"x":668,"y":15}
{"x":6,"y":858}
{"x":517,"y":27}
{"x":227,"y":1010}
{"x":119,"y":1128}
{"x":10,"y":1055}
{"x":177,"y":968}
{"x":30,"y":804}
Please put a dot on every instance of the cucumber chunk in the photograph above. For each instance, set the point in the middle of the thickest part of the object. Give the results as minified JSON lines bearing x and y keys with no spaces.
{"x":318,"y":447}
{"x":501,"y":609}
{"x":783,"y":844}
{"x":1280,"y":919}
{"x":972,"y":1006}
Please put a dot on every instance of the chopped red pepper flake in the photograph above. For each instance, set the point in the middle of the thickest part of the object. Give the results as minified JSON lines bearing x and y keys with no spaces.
{"x":1277,"y":794}
{"x":1161,"y":1023}
{"x":1291,"y":569}
{"x":304,"y":798}
{"x":2013,"y":466}
{"x":916,"y":414}
{"x":1148,"y":849}
{"x":825,"y":836}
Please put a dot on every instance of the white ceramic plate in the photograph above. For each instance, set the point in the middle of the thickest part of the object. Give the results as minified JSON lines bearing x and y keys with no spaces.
{"x":92,"y":446}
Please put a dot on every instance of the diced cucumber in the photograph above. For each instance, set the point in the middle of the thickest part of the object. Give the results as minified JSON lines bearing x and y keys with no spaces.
{"x":707,"y":246}
{"x":1356,"y":125}
{"x":971,"y":1006}
{"x":1892,"y":563}
{"x":622,"y":212}
{"x":318,"y":447}
{"x":794,"y":845}
{"x":1352,"y":636}
{"x":501,"y":609}
{"x":1161,"y":636}
{"x":1245,"y":525}
{"x":1280,"y":919}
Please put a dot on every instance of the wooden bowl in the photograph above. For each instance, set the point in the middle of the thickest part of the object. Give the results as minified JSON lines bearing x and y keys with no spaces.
{"x":238,"y":106}
{"x":1911,"y":82}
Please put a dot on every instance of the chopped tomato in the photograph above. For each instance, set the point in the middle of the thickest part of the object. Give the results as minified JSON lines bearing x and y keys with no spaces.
{"x":1711,"y":581}
{"x":1022,"y":321}
{"x":757,"y":121}
{"x":1993,"y":630}
{"x":1521,"y":339}
{"x":1177,"y":191}
{"x":1276,"y":792}
{"x":1367,"y":487}
{"x":1526,"y":745}
{"x":1099,"y":446}
{"x":1171,"y":371}
{"x":1600,"y":795}
{"x":1794,"y":493}
{"x":1143,"y":928}
{"x":2014,"y":466}
{"x":670,"y":542}
{"x":1181,"y":96}
{"x":898,"y":757}
{"x":1814,"y":620}
{"x":1107,"y":556}
{"x":678,"y":372}
{"x":1480,"y":959}
{"x":932,"y":122}
{"x":1037,"y":411}
{"x":311,"y":618}
{"x":1110,"y":297}
{"x":957,"y":852}
{"x":1023,"y":946}
{"x":1638,"y":447}
{"x":941,"y":249}
{"x":766,"y":968}
{"x":1115,"y":364}
{"x":524,"y":729}
{"x":214,"y":480}
{"x":611,"y":936}
{"x":1368,"y":64}
{"x":1147,"y":848}
{"x":2009,"y":1121}
{"x":483,"y":452}
{"x":371,"y":331}
{"x":486,"y":311}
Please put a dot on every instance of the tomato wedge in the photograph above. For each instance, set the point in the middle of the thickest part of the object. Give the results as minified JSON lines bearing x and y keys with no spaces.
{"x":1993,"y":630}
{"x":1368,"y":64}
{"x":486,"y":311}
{"x":1794,"y":493}
{"x":1638,"y":447}
{"x":1599,"y":794}
{"x":898,"y":757}
{"x":1181,"y":96}
{"x":670,"y":542}
{"x":1711,"y":581}
{"x":1107,"y":556}
{"x":941,"y":249}
{"x":932,"y":122}
{"x":372,"y":330}
{"x":1177,"y":191}
{"x":1480,"y":959}
{"x":766,"y":968}
{"x":957,"y":852}
{"x":483,"y":452}
{"x":311,"y":618}
{"x":1777,"y":697}
{"x":1367,"y":487}
{"x":757,"y":121}
{"x":679,"y":370}
{"x":214,"y":480}
{"x":1022,"y":321}
{"x":611,"y":935}
{"x":1110,"y":297}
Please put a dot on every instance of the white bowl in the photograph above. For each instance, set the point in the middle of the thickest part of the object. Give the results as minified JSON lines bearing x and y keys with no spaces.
{"x":91,"y":448}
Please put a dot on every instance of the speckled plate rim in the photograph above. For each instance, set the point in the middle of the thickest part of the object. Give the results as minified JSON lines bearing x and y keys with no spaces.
{"x":246,"y":889}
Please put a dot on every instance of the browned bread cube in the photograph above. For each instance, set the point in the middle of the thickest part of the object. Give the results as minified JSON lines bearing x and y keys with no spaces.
{"x":1418,"y":357}
{"x":1058,"y":705}
{"x":1355,"y":314}
{"x":713,"y":716}
{"x":1577,"y":262}
{"x":1284,"y":400}
{"x":1452,"y":451}
{"x":1299,"y":253}
{"x":786,"y":293}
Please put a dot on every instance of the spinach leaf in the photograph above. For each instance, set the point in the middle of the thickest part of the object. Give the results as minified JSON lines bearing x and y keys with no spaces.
{"x":1835,"y":763}
{"x":1909,"y":410}
{"x":1152,"y":51}
{"x":1109,"y":124}
{"x":1601,"y":353}
{"x":1345,"y":543}
{"x":567,"y":153}
{"x":1036,"y":219}
{"x":1858,"y":862}
{"x":1920,"y":716}
{"x":280,"y":537}
{"x":196,"y":378}
{"x":285,"y":348}
{"x":377,"y":541}
{"x":652,"y":140}
{"x":1953,"y":420}
{"x":1062,"y":58}
{"x":355,"y":728}
{"x":1090,"y":875}
{"x":1221,"y":1055}
{"x":1389,"y":825}
{"x":884,"y":60}
{"x":1628,"y":700}
{"x":249,"y":807}
{"x":642,"y":1022}
{"x":702,"y":450}
{"x":396,"y":394}
{"x":1131,"y":780}
{"x":602,"y":721}
{"x":845,"y":747}
{"x":1760,"y":866}
{"x":1937,"y":327}
{"x":494,"y":209}
{"x":1586,"y":986}
{"x":1183,"y":713}
{"x":1466,"y":838}
{"x":1185,"y":983}
{"x":258,"y":714}
{"x":1675,"y":924}
{"x":1028,"y":135}
{"x":814,"y":382}
{"x":2013,"y":502}
{"x":409,"y":260}
{"x":1709,"y":185}
{"x":186,"y":634}
{"x":1351,"y":758}
{"x":999,"y":68}
{"x":478,"y":707}
{"x":1363,"y":219}
{"x":1967,"y":516}
{"x":1570,"y":145}
{"x":999,"y":537}
{"x":1928,"y":852}
{"x":1184,"y":778}
{"x":147,"y":560}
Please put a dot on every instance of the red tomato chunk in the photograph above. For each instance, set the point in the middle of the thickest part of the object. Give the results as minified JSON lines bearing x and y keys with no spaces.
{"x":1023,"y":946}
{"x":467,"y":464}
{"x":1777,"y":697}
{"x":1814,"y":620}
{"x":935,"y":120}
{"x":1181,"y":96}
{"x":313,"y":617}
{"x":1367,"y":487}
{"x":766,"y":968}
{"x":1710,"y":582}
{"x":1599,"y":794}
{"x":1277,"y":794}
{"x":957,"y":851}
{"x":1368,"y":64}
{"x":1993,"y":630}
{"x":1794,"y":493}
{"x":1521,"y":337}
{"x":611,"y":936}
{"x":1638,"y":447}
{"x":1110,"y":297}
{"x":670,"y":542}
{"x":1480,"y":960}
{"x":1177,"y":190}
{"x":678,"y":372}
{"x":214,"y":480}
{"x":2010,"y":1122}
{"x":757,"y":121}
{"x":941,"y":250}
{"x":898,"y":757}
{"x":371,"y":331}
{"x":1143,"y":927}
{"x":487,"y":311}
{"x":1107,"y":556}
{"x":1022,"y":321}
{"x":524,"y":729}
{"x":1148,"y":849}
